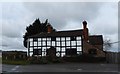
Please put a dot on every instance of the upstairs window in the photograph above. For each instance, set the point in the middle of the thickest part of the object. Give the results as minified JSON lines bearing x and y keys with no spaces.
{"x":78,"y":38}
{"x":39,"y":39}
{"x":35,"y":43}
{"x":67,"y":38}
{"x":62,"y":38}
{"x":73,"y":38}
{"x":35,"y":39}
{"x":53,"y":38}
{"x":31,"y":39}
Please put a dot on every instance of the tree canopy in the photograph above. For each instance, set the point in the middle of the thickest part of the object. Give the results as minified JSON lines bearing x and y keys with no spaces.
{"x":35,"y":28}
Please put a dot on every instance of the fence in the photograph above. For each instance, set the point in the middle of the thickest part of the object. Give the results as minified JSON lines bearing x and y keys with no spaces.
{"x":14,"y":55}
{"x":112,"y":57}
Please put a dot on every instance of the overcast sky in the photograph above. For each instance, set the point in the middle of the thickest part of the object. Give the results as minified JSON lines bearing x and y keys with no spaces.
{"x":102,"y":18}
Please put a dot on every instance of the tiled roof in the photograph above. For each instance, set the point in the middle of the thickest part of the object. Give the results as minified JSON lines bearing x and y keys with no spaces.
{"x":60,"y":33}
{"x":96,"y":39}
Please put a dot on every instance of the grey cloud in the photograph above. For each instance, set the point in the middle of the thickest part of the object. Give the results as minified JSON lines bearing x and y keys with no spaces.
{"x":14,"y":20}
{"x":106,"y":22}
{"x":12,"y":43}
{"x":60,"y":13}
{"x":119,"y":20}
{"x":11,"y":30}
{"x":119,"y":25}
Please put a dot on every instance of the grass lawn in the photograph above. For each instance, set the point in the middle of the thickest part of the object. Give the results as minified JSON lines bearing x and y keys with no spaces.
{"x":15,"y":62}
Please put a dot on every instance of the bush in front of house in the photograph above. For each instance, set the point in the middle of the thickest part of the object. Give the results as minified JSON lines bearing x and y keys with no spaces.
{"x":45,"y":60}
{"x":37,"y":60}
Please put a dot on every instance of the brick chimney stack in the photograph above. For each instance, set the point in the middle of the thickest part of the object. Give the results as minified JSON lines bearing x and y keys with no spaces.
{"x":85,"y":31}
{"x":49,"y":28}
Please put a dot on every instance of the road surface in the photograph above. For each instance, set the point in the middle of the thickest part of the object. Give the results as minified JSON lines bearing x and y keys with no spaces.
{"x":67,"y":67}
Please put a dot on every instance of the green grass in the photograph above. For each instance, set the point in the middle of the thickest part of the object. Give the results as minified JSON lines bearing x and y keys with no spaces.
{"x":15,"y":62}
{"x":32,"y":60}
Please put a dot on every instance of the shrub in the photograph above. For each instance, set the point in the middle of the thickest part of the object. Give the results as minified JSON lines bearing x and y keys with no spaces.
{"x":38,"y":60}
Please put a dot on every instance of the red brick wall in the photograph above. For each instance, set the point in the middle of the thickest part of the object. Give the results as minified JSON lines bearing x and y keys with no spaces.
{"x":87,"y":47}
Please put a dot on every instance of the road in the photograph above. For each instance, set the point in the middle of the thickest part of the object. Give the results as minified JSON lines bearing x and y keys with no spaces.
{"x":67,"y":67}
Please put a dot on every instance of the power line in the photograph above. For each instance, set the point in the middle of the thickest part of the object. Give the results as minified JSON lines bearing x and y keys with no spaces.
{"x":111,"y":43}
{"x":114,"y":42}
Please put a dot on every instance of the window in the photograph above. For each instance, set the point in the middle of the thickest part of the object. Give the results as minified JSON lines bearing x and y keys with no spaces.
{"x":31,"y":43}
{"x":67,"y":38}
{"x":48,"y":43}
{"x":63,"y":49}
{"x":53,"y":43}
{"x":58,"y":54}
{"x":44,"y":43}
{"x":73,"y":47}
{"x":39,"y":47}
{"x":35,"y":43}
{"x":31,"y":48}
{"x":35,"y":39}
{"x":37,"y":52}
{"x":63,"y":39}
{"x":58,"y":43}
{"x":78,"y":42}
{"x":63,"y":43}
{"x":73,"y":38}
{"x":79,"y":53}
{"x":58,"y":38}
{"x":31,"y":53}
{"x":78,"y":38}
{"x":58,"y":48}
{"x":53,"y":38}
{"x":79,"y":49}
{"x":73,"y":43}
{"x":34,"y":47}
{"x":31,"y":39}
{"x":43,"y":39}
{"x":44,"y":49}
{"x":39,"y":43}
{"x":39,"y":39}
{"x":48,"y":47}
{"x":63,"y":54}
{"x":68,"y":43}
{"x":48,"y":39}
{"x":44,"y":54}
{"x":68,"y":48}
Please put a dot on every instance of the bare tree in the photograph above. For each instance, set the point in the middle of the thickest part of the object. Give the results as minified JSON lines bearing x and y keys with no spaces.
{"x":107,"y":44}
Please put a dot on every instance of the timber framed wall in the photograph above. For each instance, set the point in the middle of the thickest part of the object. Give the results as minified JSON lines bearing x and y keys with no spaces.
{"x":60,"y":43}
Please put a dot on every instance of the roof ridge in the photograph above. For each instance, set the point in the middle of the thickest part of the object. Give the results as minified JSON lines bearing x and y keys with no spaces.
{"x":70,"y":30}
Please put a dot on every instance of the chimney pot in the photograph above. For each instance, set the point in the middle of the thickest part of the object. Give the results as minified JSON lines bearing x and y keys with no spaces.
{"x":49,"y":28}
{"x":84,"y":23}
